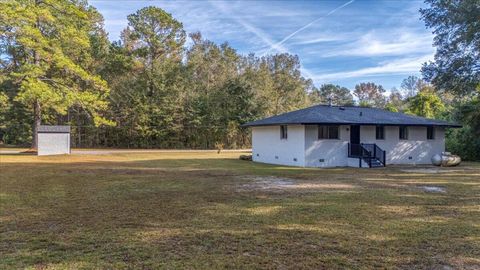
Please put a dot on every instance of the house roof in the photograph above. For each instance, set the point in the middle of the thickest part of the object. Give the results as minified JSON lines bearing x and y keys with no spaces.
{"x":53,"y":129}
{"x":347,"y":115}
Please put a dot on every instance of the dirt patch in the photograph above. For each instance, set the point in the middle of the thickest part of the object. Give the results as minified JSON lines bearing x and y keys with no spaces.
{"x":266,"y":183}
{"x":430,"y":170}
{"x":433,"y":189}
{"x":274,"y":183}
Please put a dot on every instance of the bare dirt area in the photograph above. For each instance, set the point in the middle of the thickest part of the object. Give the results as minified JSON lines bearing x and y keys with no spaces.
{"x":433,"y":189}
{"x":274,"y":183}
{"x":430,"y":169}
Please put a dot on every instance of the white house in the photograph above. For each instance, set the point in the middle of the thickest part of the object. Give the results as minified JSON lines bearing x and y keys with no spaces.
{"x":53,"y":140}
{"x":336,"y":136}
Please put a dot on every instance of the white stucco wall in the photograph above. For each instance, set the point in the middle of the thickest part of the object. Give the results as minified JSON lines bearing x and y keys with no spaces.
{"x":416,"y":150}
{"x":354,"y":162}
{"x":53,"y":144}
{"x":267,"y":147}
{"x":303,"y":144}
{"x":326,"y":153}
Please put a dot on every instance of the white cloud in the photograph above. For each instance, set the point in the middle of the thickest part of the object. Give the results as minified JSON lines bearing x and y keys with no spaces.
{"x":316,"y":39}
{"x":257,"y":32}
{"x":398,"y":66}
{"x":309,"y":24}
{"x":398,"y":42}
{"x":248,"y":26}
{"x":349,"y":44}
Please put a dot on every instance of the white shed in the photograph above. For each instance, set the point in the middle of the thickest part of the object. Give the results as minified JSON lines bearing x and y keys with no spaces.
{"x":53,"y":140}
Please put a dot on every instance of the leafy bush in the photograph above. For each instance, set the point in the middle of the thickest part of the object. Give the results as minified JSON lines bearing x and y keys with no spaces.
{"x":463,"y":142}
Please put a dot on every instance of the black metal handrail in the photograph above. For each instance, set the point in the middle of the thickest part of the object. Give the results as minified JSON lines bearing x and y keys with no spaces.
{"x":380,"y":154}
{"x":356,"y":150}
{"x":367,"y":152}
{"x":359,"y":150}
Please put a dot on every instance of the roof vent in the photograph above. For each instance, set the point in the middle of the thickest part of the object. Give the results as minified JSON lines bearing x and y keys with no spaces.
{"x":342,"y":108}
{"x":361,"y":113}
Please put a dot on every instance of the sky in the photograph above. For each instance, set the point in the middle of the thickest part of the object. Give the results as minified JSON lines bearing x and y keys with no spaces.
{"x":342,"y":42}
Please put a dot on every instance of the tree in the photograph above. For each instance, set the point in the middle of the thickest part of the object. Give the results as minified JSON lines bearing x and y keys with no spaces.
{"x":239,"y":107}
{"x":456,"y":25}
{"x":210,"y":71}
{"x":332,"y":93}
{"x":395,"y":101}
{"x":370,"y":94}
{"x":155,"y":41}
{"x":4,"y":106}
{"x":456,"y":67}
{"x":463,"y":141}
{"x":49,"y":40}
{"x":162,"y":93}
{"x":288,"y":84}
{"x":154,"y":34}
{"x":426,"y":104}
{"x":412,"y":85}
{"x":469,"y":112}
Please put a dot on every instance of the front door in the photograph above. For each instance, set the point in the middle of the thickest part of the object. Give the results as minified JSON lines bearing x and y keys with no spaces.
{"x":355,"y":149}
{"x":355,"y":134}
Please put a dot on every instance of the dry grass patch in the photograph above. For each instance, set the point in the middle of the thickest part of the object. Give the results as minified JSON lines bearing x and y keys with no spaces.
{"x":212,"y":211}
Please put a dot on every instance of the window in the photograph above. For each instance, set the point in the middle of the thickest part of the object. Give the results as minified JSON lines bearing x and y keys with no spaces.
{"x":333,"y":132}
{"x":283,"y":132}
{"x":403,"y":133}
{"x":430,"y":133}
{"x":322,"y":132}
{"x":380,"y":132}
{"x":328,"y":132}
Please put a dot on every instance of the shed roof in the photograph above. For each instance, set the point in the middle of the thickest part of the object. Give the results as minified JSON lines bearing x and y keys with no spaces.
{"x":53,"y":129}
{"x":348,"y":115}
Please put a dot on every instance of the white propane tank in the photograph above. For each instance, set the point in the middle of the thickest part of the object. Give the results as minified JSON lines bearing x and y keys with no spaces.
{"x":446,"y":159}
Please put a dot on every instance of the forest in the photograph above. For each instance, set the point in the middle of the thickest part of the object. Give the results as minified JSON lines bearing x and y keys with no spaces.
{"x":161,"y":87}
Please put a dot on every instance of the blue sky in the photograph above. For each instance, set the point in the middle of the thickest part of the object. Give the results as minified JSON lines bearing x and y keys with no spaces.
{"x":341,"y":42}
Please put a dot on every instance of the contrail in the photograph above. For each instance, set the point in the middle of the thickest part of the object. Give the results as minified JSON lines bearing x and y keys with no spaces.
{"x":257,"y":32}
{"x":308,"y":25}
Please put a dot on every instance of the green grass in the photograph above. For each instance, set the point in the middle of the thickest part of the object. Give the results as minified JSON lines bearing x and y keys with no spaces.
{"x":203,"y":210}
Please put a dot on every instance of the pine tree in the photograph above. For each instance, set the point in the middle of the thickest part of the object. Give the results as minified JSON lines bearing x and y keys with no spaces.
{"x":52,"y":73}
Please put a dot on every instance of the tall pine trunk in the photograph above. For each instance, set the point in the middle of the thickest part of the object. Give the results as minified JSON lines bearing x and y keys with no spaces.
{"x":37,"y":114}
{"x":37,"y":120}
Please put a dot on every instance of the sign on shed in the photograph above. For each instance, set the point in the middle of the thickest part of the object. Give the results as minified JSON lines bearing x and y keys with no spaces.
{"x":53,"y":140}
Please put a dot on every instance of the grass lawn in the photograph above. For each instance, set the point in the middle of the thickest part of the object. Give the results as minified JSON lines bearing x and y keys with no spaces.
{"x":207,"y":210}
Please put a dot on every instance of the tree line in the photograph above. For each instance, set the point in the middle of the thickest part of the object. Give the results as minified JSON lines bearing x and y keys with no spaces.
{"x":160,"y":87}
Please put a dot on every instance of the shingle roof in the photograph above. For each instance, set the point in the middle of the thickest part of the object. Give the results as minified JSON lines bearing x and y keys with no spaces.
{"x":53,"y":129}
{"x":348,"y":115}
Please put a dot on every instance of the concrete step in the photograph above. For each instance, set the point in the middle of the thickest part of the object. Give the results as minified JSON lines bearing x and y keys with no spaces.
{"x":376,"y":163}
